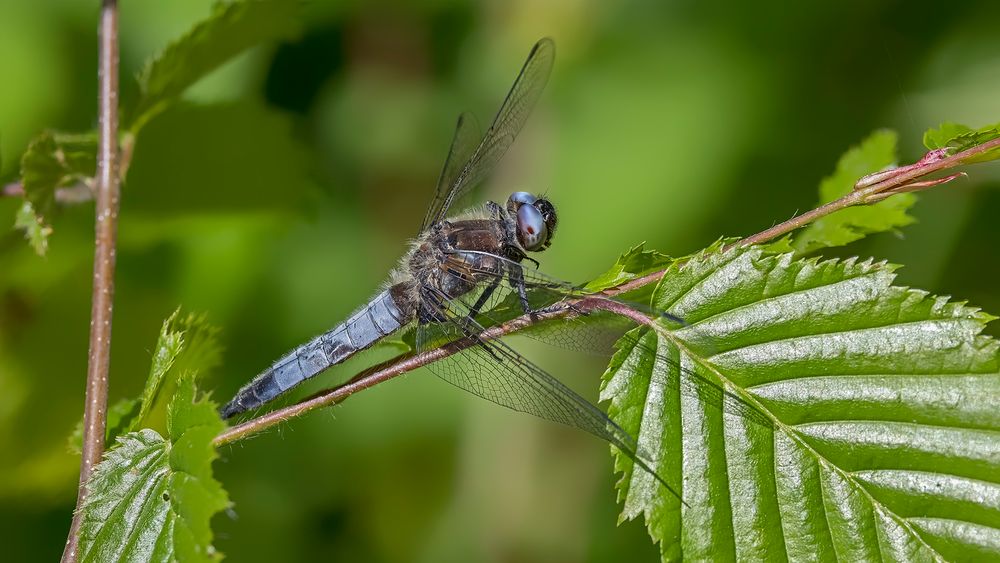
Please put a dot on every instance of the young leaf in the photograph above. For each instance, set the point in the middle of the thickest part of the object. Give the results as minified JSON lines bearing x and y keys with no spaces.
{"x":52,"y":160}
{"x":55,"y":160}
{"x":187,"y":345}
{"x":879,"y":408}
{"x":961,"y":137}
{"x":35,"y":230}
{"x":635,"y":262}
{"x":875,"y":153}
{"x":152,"y":499}
{"x":232,"y":28}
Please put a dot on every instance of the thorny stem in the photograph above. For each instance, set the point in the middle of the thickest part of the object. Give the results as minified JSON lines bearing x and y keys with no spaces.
{"x":106,"y":209}
{"x":881,"y":185}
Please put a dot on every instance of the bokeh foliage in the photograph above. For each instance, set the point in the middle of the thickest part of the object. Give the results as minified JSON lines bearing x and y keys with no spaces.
{"x":279,"y":193}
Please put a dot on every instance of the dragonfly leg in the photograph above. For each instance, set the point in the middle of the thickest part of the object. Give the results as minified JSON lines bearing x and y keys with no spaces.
{"x":487,"y":293}
{"x":516,"y":278}
{"x":466,"y":324}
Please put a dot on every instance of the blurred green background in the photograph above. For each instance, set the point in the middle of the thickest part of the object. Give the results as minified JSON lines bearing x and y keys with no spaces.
{"x":279,"y":195}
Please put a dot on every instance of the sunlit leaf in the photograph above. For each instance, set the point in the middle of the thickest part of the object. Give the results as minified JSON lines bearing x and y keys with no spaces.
{"x":635,"y":262}
{"x":875,"y":153}
{"x":151,"y":499}
{"x":232,"y":28}
{"x":187,"y":345}
{"x":882,"y":410}
{"x":960,"y":137}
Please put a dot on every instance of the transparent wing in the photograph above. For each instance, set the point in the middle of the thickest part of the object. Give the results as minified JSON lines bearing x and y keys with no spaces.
{"x":596,"y":332}
{"x":494,"y":371}
{"x":463,"y":144}
{"x":459,"y":178}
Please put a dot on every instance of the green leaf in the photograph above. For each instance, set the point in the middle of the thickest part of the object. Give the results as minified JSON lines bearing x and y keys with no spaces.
{"x":52,"y":160}
{"x":120,"y":417}
{"x":35,"y":230}
{"x":233,"y":27}
{"x":881,"y":405}
{"x":152,"y":499}
{"x":958,"y":138}
{"x":875,"y":153}
{"x":187,"y":345}
{"x":635,"y":262}
{"x":55,"y":160}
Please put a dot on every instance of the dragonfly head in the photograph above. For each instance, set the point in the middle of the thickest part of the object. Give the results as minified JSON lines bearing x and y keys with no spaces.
{"x":535,"y":218}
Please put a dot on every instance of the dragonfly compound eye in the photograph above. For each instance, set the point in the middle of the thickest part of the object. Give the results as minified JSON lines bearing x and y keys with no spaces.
{"x":549,"y":214}
{"x":520,"y":198}
{"x":532,"y":232}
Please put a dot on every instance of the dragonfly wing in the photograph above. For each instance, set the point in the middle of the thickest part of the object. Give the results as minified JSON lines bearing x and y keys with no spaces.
{"x":494,"y":371}
{"x":459,"y":177}
{"x":463,"y":145}
{"x":598,"y":332}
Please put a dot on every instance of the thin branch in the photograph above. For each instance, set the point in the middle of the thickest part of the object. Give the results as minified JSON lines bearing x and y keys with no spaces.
{"x":879,"y":185}
{"x":77,"y":193}
{"x":106,"y":227}
{"x":866,"y":194}
{"x":384,"y":372}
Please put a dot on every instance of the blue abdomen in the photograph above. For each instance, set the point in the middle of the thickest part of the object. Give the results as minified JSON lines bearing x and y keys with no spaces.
{"x":379,"y":318}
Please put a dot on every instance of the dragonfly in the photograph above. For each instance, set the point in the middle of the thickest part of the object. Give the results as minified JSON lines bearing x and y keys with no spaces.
{"x":464,"y":274}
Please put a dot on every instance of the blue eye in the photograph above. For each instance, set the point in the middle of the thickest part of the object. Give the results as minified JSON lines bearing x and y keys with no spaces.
{"x":522,"y":198}
{"x":531,"y":228}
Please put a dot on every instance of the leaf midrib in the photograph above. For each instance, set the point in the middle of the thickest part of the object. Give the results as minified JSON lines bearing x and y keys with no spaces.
{"x":151,"y":469}
{"x":800,"y":441}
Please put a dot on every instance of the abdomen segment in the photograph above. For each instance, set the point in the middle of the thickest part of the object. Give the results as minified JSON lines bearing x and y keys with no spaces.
{"x":379,"y":318}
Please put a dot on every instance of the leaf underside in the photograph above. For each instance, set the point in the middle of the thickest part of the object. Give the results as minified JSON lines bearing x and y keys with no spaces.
{"x":883,"y":405}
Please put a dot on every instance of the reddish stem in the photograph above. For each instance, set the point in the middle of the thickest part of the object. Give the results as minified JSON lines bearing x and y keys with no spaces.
{"x":106,"y":208}
{"x":878,"y":184}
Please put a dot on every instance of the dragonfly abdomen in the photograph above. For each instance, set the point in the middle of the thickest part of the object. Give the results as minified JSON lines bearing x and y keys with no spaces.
{"x":379,"y":318}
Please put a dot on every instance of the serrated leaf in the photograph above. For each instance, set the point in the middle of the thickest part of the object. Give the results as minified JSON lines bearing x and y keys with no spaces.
{"x":53,"y":160}
{"x":780,"y":246}
{"x":635,"y":262}
{"x":187,"y":345}
{"x":875,"y":153}
{"x":152,"y":500}
{"x":883,"y":404}
{"x":35,"y":230}
{"x":232,"y":28}
{"x":960,"y":137}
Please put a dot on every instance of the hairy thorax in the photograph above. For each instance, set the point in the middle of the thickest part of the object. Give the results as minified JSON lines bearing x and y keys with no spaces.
{"x":431,"y":260}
